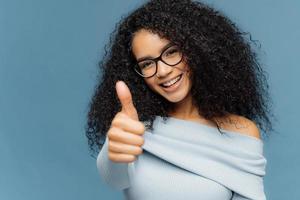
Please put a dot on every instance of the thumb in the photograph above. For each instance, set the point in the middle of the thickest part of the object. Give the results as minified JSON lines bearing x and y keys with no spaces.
{"x":125,"y":98}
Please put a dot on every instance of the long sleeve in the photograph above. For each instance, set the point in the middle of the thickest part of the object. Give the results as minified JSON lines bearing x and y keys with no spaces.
{"x":113,"y":173}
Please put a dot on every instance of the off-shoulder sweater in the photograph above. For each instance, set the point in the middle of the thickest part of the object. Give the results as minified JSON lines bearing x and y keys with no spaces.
{"x":187,"y":160}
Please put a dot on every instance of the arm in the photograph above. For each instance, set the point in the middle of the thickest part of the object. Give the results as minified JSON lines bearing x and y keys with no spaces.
{"x":113,"y":173}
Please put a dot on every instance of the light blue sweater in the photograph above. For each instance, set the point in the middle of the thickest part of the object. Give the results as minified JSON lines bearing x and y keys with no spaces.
{"x":187,"y":160}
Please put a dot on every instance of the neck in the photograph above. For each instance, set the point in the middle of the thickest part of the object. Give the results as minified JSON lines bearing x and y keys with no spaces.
{"x":184,"y":109}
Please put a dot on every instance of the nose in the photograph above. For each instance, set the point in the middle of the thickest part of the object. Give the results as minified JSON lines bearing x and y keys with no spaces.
{"x":163,"y":69}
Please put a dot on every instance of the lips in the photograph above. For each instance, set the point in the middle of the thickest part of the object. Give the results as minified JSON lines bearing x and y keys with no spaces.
{"x":173,"y":87}
{"x":171,"y":80}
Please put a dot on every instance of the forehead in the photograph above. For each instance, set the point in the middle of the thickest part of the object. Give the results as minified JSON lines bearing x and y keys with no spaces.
{"x":146,"y":43}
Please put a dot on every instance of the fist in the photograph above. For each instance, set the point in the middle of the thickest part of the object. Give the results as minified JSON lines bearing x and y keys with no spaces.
{"x":125,"y":136}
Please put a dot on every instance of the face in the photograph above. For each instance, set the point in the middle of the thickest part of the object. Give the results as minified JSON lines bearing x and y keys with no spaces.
{"x":147,"y":44}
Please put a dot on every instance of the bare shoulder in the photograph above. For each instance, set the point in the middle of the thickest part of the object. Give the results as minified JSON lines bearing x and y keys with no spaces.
{"x":242,"y":125}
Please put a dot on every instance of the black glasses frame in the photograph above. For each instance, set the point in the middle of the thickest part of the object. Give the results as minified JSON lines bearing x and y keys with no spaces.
{"x":136,"y":67}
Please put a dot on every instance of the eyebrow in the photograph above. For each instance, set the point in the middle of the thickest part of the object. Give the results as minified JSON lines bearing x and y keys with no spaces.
{"x":162,"y":50}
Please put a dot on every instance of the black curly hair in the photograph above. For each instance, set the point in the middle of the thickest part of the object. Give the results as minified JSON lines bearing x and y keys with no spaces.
{"x":227,"y":77}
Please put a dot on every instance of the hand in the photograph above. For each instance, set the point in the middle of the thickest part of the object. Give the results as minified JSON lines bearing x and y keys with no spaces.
{"x":126,"y":132}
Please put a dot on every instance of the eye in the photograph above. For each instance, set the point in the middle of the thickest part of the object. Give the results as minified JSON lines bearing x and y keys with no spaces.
{"x":171,"y":52}
{"x":145,"y":64}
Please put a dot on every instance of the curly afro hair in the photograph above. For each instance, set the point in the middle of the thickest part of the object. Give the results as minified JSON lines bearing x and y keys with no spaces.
{"x":227,"y":78}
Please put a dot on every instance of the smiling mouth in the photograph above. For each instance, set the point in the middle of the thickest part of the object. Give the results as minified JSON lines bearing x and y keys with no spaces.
{"x":167,"y":86}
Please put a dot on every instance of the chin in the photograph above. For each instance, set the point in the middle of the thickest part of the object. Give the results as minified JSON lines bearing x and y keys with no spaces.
{"x":176,"y":98}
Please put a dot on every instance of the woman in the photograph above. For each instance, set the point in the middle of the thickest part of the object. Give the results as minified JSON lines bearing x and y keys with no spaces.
{"x":179,"y":106}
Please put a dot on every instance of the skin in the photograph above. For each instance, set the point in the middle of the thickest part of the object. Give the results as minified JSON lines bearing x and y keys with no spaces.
{"x":146,"y":43}
{"x":126,"y":132}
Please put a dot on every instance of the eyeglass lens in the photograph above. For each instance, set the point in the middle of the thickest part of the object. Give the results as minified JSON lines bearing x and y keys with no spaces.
{"x":170,"y":56}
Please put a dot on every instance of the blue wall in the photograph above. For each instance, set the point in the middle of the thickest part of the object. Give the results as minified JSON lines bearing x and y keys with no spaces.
{"x":49,"y":52}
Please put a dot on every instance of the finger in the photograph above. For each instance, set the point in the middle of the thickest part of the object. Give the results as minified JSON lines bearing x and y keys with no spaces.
{"x":120,"y":157}
{"x":118,"y":147}
{"x":125,"y":98}
{"x":125,"y":137}
{"x":127,"y":124}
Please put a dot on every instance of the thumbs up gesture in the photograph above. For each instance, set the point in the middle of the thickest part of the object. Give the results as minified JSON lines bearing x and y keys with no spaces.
{"x":126,"y":131}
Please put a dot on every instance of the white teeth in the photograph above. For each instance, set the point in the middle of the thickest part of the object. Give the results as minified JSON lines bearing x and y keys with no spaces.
{"x":171,"y":81}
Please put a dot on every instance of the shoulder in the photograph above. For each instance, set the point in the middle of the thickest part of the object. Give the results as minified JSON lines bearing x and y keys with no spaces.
{"x":242,"y":125}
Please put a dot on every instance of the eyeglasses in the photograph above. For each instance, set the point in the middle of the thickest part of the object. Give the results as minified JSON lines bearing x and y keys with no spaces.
{"x":170,"y":56}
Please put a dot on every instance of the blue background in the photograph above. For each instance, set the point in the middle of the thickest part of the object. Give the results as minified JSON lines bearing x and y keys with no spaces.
{"x":49,"y":51}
